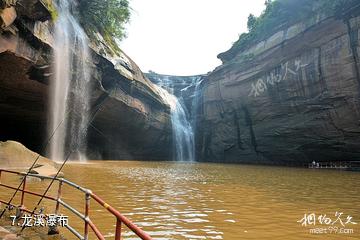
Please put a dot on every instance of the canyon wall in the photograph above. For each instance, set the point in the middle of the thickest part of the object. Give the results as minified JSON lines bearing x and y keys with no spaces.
{"x":289,"y":99}
{"x":129,"y":118}
{"x":183,"y":87}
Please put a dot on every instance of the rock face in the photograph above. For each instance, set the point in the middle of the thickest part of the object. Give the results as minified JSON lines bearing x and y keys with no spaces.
{"x":174,"y":84}
{"x":14,"y":155}
{"x":183,"y":87}
{"x":289,"y":99}
{"x":130,"y":120}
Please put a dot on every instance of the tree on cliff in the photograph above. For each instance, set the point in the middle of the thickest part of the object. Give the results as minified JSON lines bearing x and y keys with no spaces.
{"x":108,"y":17}
{"x":279,"y":14}
{"x":251,"y":23}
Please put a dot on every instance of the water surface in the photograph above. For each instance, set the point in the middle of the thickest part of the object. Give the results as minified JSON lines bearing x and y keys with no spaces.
{"x":173,"y":200}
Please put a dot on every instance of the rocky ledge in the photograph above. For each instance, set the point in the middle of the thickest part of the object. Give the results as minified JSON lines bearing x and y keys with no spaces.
{"x":131,"y":120}
{"x":15,"y":156}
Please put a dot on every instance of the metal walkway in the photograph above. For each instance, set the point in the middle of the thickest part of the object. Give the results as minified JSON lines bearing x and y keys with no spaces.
{"x":340,"y":165}
{"x":88,"y":194}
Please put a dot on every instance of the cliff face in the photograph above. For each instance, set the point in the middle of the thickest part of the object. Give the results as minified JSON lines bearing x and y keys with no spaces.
{"x":289,"y":99}
{"x":184,"y":88}
{"x":174,"y":84}
{"x":131,"y":121}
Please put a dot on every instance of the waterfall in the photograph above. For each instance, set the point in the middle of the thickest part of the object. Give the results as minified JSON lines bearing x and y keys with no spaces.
{"x":183,"y":135}
{"x":195,"y":101}
{"x":69,"y":97}
{"x":195,"y":107}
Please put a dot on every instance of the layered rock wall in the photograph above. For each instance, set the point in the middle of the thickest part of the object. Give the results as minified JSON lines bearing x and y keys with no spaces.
{"x":130,"y":120}
{"x":290,"y":99}
{"x":183,"y":87}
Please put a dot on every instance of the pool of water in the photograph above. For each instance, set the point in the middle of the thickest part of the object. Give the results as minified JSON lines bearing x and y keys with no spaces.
{"x":172,"y":200}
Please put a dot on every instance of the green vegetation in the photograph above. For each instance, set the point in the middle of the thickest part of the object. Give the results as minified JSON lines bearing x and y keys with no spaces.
{"x":51,"y":8}
{"x":108,"y":17}
{"x":279,"y":14}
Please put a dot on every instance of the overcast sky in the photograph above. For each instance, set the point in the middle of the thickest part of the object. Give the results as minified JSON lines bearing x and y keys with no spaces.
{"x":183,"y":37}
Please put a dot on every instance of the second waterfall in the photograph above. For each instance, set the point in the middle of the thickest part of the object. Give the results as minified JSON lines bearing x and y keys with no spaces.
{"x":69,"y":98}
{"x":183,"y":134}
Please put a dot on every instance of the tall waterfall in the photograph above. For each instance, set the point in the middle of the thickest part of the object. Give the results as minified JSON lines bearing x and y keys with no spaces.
{"x":69,"y":96}
{"x":195,"y":102}
{"x":195,"y":106}
{"x":183,"y":135}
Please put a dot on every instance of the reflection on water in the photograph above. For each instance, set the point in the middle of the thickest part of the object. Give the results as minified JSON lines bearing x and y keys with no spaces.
{"x":214,"y":201}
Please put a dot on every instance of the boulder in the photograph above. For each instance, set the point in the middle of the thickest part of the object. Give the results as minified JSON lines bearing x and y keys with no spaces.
{"x":15,"y":156}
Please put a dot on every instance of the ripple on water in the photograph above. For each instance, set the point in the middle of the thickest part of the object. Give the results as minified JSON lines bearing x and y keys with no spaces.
{"x":214,"y":201}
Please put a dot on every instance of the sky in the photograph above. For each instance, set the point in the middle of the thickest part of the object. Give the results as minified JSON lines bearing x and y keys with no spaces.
{"x":183,"y":37}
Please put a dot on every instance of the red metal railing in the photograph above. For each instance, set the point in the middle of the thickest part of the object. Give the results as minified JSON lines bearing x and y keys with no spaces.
{"x":120,"y":219}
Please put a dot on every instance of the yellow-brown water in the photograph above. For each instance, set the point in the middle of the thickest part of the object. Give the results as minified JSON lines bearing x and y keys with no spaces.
{"x":172,"y":200}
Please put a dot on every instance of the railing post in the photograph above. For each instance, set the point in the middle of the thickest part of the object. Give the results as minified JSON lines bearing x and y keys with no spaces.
{"x":23,"y":192}
{"x":118,"y":230}
{"x":87,"y":219}
{"x":58,"y":197}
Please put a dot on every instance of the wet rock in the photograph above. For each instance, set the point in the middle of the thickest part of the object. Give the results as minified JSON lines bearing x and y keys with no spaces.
{"x":35,"y":10}
{"x":7,"y":17}
{"x":130,"y":120}
{"x":3,"y":231}
{"x":53,"y":231}
{"x":183,"y":87}
{"x":11,"y":237}
{"x":14,"y":155}
{"x":174,"y":84}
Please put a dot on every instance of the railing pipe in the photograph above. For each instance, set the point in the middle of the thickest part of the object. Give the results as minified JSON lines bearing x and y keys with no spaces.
{"x":88,"y":195}
{"x":73,"y":231}
{"x":23,"y":192}
{"x":87,"y":207}
{"x":140,"y":233}
{"x":118,"y":230}
{"x":74,"y":185}
{"x":57,"y":207}
{"x":73,"y":210}
{"x":28,"y":192}
{"x":96,"y":231}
